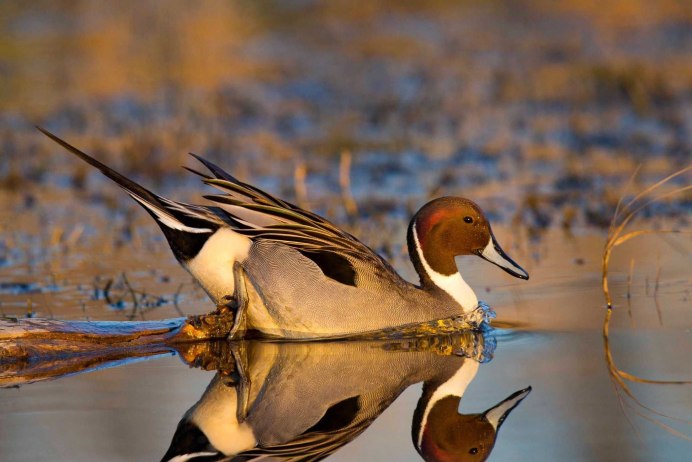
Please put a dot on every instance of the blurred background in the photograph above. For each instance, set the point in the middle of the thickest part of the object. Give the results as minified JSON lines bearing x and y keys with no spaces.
{"x":540,"y":111}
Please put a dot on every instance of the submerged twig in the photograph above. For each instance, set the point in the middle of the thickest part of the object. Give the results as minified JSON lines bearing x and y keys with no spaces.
{"x":107,"y":291}
{"x":656,"y":302}
{"x":135,"y":302}
{"x":629,"y":291}
{"x":176,"y":299}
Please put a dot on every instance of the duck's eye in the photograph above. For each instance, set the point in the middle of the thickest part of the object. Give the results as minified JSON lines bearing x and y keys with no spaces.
{"x":468,"y":219}
{"x":473,"y":451}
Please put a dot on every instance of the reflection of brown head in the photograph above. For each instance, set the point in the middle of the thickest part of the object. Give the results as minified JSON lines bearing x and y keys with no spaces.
{"x":449,"y":436}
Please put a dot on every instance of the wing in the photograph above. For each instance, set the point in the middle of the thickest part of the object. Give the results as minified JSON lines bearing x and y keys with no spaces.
{"x":330,"y":433}
{"x":261,"y":216}
{"x":256,"y":214}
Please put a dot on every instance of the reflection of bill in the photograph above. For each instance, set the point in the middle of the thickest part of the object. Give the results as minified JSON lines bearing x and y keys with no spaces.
{"x":303,"y":401}
{"x":441,"y":433}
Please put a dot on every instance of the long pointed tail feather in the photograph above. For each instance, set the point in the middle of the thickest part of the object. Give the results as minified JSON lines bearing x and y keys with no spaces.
{"x":124,"y":182}
{"x":177,"y":220}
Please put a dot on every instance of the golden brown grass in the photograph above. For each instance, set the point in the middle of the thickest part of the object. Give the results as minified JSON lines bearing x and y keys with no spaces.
{"x":345,"y":183}
{"x":624,"y":215}
{"x":300,"y":173}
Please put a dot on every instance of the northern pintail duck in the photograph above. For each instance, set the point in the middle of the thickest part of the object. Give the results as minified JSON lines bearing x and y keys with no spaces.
{"x":290,"y":273}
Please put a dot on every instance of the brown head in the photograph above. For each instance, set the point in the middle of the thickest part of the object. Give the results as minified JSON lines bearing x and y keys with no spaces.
{"x":452,"y":226}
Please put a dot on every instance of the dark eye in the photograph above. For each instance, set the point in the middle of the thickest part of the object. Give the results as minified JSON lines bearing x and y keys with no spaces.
{"x":468,"y":219}
{"x":473,"y":451}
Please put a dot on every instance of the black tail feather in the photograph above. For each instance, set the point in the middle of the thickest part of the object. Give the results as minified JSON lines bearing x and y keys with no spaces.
{"x":217,"y":171}
{"x":124,"y":182}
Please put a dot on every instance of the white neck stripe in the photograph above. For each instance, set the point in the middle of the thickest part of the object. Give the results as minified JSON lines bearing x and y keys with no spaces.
{"x":453,"y":284}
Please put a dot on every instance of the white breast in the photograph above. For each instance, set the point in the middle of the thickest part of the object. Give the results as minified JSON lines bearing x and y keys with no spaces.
{"x":213,"y":265}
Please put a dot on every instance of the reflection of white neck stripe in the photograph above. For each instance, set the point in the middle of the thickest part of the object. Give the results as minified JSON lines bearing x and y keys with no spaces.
{"x":455,"y":386}
{"x":453,"y":284}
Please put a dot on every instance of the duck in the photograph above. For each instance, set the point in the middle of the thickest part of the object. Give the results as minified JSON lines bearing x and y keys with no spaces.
{"x":288,"y":273}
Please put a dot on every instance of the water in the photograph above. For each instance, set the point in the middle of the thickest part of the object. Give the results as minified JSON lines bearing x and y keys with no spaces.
{"x":551,"y":341}
{"x":131,"y":413}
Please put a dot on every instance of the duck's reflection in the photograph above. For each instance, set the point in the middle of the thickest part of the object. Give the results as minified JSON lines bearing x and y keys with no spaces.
{"x":441,"y":433}
{"x":303,"y":401}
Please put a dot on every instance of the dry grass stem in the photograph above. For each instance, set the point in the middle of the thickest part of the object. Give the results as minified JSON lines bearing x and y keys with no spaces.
{"x":345,"y":183}
{"x":301,"y":189}
{"x":624,"y":214}
{"x":74,"y":236}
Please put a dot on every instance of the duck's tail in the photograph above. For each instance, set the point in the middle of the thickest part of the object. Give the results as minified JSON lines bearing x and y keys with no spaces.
{"x":186,"y":227}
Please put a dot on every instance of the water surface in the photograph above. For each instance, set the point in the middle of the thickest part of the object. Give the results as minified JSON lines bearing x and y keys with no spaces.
{"x":552,"y":341}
